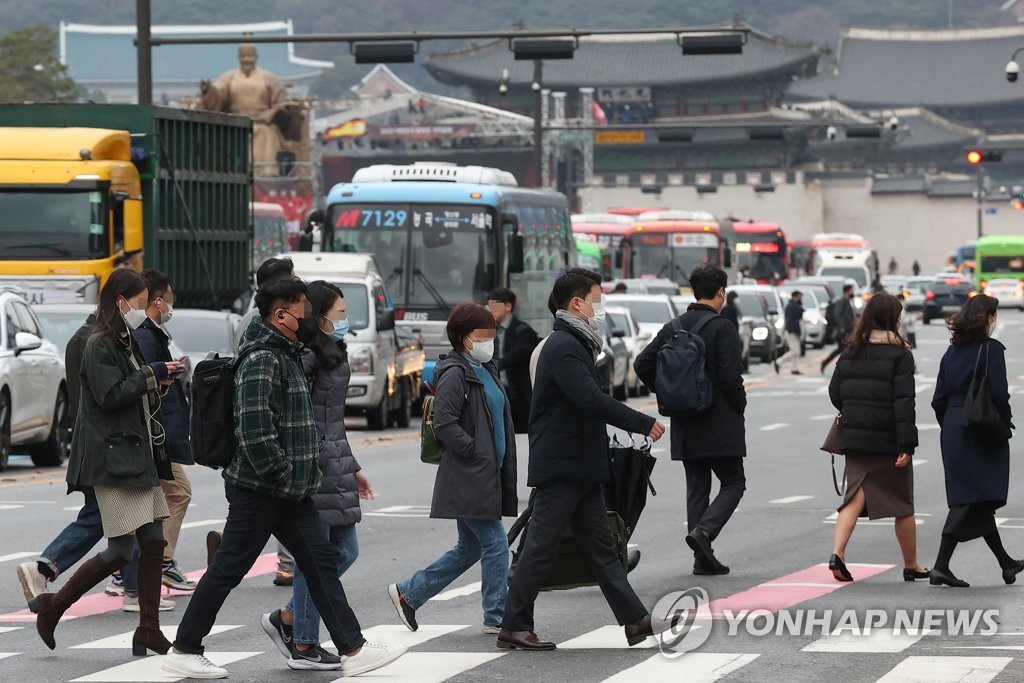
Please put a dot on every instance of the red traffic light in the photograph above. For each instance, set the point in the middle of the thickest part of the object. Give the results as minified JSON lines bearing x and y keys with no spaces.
{"x":974,"y":157}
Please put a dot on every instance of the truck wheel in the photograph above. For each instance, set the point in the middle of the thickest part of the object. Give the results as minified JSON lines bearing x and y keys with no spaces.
{"x":5,"y":429}
{"x":53,"y":451}
{"x":376,"y":416}
{"x":402,"y":415}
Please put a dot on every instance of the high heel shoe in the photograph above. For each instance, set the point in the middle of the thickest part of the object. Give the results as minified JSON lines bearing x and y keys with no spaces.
{"x":911,"y":574}
{"x":940,"y":578}
{"x":1010,"y":573}
{"x":149,"y":639}
{"x":838,"y":569}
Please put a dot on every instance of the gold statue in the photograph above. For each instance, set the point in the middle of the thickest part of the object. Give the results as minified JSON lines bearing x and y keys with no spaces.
{"x":260,"y":95}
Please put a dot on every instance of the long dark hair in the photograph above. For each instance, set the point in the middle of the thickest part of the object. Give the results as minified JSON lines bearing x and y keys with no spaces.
{"x":122,"y":283}
{"x":322,"y":298}
{"x":881,"y":313}
{"x":970,"y":323}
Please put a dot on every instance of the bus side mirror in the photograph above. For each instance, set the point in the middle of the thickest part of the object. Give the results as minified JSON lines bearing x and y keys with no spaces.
{"x":727,"y":258}
{"x":386,"y":321}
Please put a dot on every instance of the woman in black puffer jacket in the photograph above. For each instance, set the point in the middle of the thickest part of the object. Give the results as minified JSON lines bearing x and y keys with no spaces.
{"x":343,"y":481}
{"x":873,"y":388}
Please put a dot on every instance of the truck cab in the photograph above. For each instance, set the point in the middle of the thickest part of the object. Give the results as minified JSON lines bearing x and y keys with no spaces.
{"x":386,"y":361}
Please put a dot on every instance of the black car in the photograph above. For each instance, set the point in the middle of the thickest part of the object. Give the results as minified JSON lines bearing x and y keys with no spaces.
{"x":946,"y":295}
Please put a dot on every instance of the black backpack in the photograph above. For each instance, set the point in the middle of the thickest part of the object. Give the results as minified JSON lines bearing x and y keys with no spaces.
{"x":830,"y":322}
{"x":682,"y":386}
{"x":212,"y":419}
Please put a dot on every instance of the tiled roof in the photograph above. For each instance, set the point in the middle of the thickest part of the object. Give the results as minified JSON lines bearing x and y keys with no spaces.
{"x":651,"y":59}
{"x":107,"y":54}
{"x":949,"y":68}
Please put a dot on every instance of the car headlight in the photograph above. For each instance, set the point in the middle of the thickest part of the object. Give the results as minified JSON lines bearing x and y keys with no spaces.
{"x":780,"y":324}
{"x":858,"y":302}
{"x":361,"y":361}
{"x":759,"y":334}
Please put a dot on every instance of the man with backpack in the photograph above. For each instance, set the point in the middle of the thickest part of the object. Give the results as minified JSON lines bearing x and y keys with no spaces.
{"x":269,"y":483}
{"x":694,"y":365}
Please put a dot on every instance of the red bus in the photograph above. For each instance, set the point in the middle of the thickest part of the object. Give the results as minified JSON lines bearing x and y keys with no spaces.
{"x":761,"y":249}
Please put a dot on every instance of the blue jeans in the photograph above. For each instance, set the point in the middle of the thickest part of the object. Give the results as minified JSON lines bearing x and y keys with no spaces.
{"x":479,"y":539}
{"x":306,"y":623}
{"x":78,"y":538}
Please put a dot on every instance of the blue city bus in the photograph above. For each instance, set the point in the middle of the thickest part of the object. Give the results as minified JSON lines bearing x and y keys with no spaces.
{"x":442,"y":234}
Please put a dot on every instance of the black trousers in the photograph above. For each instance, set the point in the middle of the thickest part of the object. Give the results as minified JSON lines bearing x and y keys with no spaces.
{"x":840,"y":345}
{"x":581,"y":505}
{"x":701,"y":511}
{"x":252,"y":518}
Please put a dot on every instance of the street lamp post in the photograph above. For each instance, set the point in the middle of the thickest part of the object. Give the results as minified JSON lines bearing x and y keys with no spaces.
{"x":538,"y":122}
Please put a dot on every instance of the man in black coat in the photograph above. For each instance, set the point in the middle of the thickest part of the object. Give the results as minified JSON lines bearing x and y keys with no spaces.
{"x":843,"y":316}
{"x":514,"y":343}
{"x":569,"y":462}
{"x":154,"y":342}
{"x":713,"y":442}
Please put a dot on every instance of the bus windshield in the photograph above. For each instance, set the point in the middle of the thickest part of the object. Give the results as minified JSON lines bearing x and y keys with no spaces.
{"x":268,"y":238}
{"x":431,"y":255}
{"x":672,"y":256}
{"x":53,"y":226}
{"x":857,"y":274}
{"x":992,"y":265}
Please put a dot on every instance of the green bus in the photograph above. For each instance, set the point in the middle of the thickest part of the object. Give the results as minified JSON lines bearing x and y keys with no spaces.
{"x":593,"y":255}
{"x":999,"y":256}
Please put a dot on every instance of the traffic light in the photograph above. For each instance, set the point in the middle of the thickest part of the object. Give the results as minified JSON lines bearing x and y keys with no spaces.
{"x":981,"y":156}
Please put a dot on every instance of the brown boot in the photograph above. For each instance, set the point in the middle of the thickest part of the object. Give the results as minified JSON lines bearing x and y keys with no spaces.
{"x":148,"y":635}
{"x":50,"y":607}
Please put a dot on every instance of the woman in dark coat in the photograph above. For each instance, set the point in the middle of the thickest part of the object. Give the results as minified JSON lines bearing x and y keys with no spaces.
{"x":476,"y":480}
{"x":344,"y":482}
{"x":117,"y":451}
{"x":873,"y":388}
{"x":977,"y":470}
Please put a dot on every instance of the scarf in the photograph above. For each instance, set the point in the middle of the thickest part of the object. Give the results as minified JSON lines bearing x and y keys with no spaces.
{"x":592,"y":338}
{"x":885,"y":337}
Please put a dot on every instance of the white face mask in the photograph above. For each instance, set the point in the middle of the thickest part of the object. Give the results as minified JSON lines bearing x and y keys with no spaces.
{"x":166,"y":317}
{"x":134,"y":317}
{"x":482,"y":351}
{"x":596,"y":321}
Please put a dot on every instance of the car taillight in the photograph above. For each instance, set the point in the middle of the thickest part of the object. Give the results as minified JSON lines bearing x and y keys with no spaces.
{"x":988,"y":292}
{"x":930,"y":295}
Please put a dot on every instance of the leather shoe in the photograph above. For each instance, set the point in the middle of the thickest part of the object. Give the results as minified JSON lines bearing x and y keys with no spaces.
{"x":939,"y":578}
{"x":1010,"y":573}
{"x":647,"y":627}
{"x":633,"y":559}
{"x":522,"y":640}
{"x":911,"y":574}
{"x":700,"y":544}
{"x":838,"y":569}
{"x":699,"y":569}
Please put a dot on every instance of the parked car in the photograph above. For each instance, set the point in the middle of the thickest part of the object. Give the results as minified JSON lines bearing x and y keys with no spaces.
{"x":760,"y":307}
{"x":1009,"y":291}
{"x":645,"y":285}
{"x":33,"y":392}
{"x":946,"y":295}
{"x":201,"y":332}
{"x":682,"y":302}
{"x":916,"y":288}
{"x":651,"y":311}
{"x":613,"y":362}
{"x":894,"y":284}
{"x":636,"y":339}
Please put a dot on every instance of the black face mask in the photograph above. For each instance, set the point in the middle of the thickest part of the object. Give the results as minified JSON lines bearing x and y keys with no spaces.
{"x":306,"y":330}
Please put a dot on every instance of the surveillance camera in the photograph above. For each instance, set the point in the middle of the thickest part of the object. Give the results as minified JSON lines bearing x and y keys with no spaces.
{"x":1012,"y":71}
{"x":831,"y":132}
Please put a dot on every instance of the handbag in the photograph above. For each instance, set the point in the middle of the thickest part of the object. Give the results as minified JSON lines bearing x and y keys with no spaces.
{"x":980,"y":414}
{"x":833,"y":446}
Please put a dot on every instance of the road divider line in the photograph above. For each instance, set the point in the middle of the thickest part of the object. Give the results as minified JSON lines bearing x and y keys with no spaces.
{"x":774,"y":426}
{"x":789,"y":499}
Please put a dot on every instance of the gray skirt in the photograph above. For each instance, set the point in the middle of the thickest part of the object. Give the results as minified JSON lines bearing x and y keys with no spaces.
{"x":124,"y":509}
{"x":888,"y":490}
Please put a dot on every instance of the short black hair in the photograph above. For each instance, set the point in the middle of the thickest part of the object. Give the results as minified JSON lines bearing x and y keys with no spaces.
{"x":277,"y":293}
{"x":847,"y":289}
{"x":572,"y":283}
{"x":795,"y":293}
{"x":706,"y":280}
{"x":158,"y":283}
{"x":504,"y":295}
{"x":274,"y":269}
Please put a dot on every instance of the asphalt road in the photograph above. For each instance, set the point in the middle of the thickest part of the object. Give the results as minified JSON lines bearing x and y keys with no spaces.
{"x":776,"y":545}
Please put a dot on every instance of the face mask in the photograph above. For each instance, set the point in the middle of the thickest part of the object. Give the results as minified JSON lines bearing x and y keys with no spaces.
{"x":166,"y":317}
{"x":306,"y":330}
{"x":134,"y":317}
{"x":340,"y":330}
{"x":482,"y":351}
{"x":596,"y":321}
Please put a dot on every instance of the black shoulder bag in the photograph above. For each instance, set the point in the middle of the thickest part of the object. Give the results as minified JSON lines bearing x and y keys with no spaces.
{"x":980,"y":414}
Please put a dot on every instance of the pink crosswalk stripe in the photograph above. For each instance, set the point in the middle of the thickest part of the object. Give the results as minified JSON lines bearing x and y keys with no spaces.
{"x":101,"y":603}
{"x":789,"y":590}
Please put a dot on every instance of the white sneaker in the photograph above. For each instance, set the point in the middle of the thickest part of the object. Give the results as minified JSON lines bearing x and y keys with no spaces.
{"x":371,"y":656}
{"x":32,"y":581}
{"x":192,"y":666}
{"x":131,"y":604}
{"x":490,"y":630}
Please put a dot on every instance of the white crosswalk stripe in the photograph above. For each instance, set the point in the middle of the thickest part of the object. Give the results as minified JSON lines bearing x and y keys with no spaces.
{"x":123,"y":641}
{"x":426,"y":667}
{"x":946,"y":670}
{"x":692,"y":667}
{"x":146,"y":669}
{"x":604,"y":638}
{"x":876,"y":641}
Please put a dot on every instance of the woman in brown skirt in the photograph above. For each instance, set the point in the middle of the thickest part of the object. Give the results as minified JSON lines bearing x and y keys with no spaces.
{"x":977,"y":467}
{"x":873,"y":388}
{"x":117,"y":451}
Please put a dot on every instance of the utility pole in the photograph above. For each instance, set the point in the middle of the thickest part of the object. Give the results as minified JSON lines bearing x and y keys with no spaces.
{"x":538,"y":123}
{"x":144,"y":54}
{"x":980,"y":194}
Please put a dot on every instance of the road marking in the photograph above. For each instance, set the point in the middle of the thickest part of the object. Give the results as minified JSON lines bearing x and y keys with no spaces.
{"x":203,"y":522}
{"x":923,"y":387}
{"x":5,"y":655}
{"x":692,"y":667}
{"x":946,"y":669}
{"x":427,"y":667}
{"x":828,"y":416}
{"x":920,"y":461}
{"x":401,"y":511}
{"x":775,"y":425}
{"x":148,"y":668}
{"x":468,"y":589}
{"x":10,"y":506}
{"x":7,"y":629}
{"x":73,"y":508}
{"x":878,"y":641}
{"x":123,"y":641}
{"x":789,"y":499}
{"x":928,"y":428}
{"x":606,"y":638}
{"x":400,"y":636}
{"x":17,"y":556}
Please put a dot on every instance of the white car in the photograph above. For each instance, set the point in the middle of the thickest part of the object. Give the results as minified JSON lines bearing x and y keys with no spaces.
{"x":201,"y":332}
{"x":1009,"y":291}
{"x":635,"y":340}
{"x":33,"y":394}
{"x":651,"y":311}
